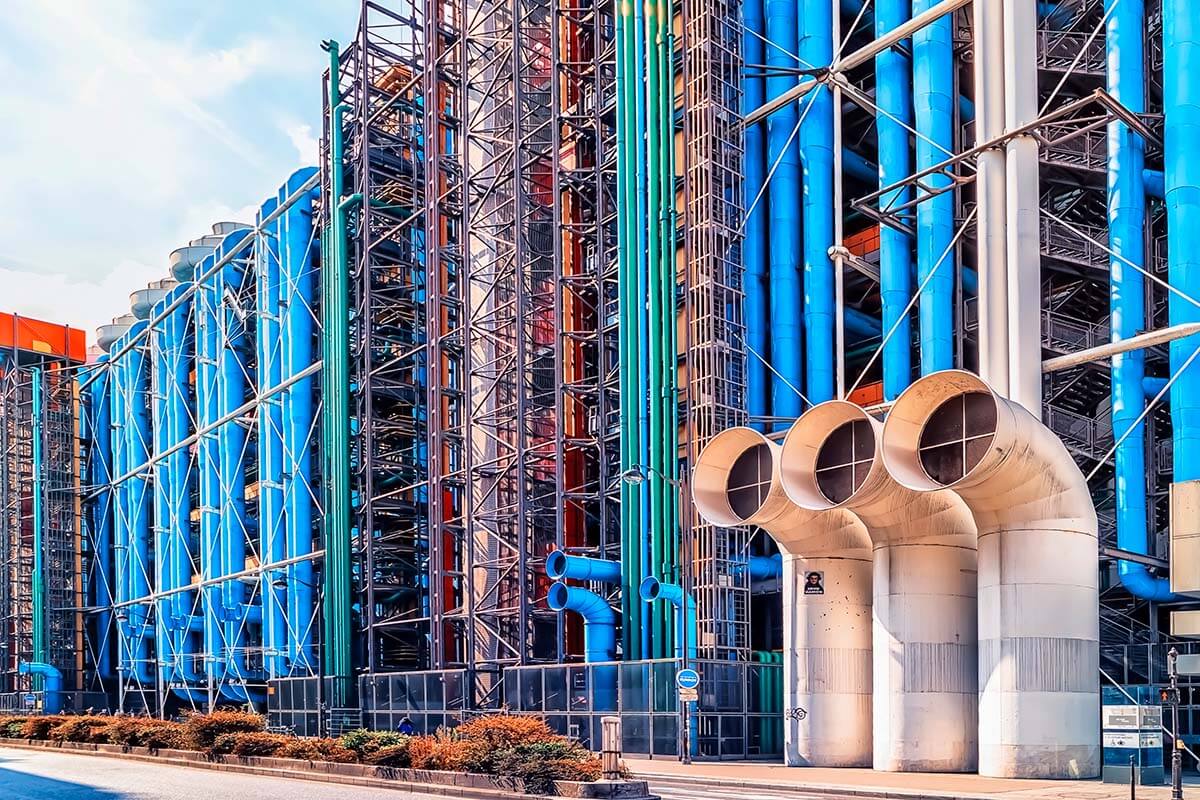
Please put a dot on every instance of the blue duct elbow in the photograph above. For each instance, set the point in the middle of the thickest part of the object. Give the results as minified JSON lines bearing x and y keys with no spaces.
{"x":766,"y":568}
{"x":599,"y":619}
{"x":52,"y":683}
{"x":652,"y":589}
{"x":561,"y":566}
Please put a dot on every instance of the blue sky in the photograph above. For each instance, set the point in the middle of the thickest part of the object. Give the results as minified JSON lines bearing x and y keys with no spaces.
{"x":130,"y":126}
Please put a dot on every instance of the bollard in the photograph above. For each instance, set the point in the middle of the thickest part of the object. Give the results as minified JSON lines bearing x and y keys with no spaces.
{"x":610,"y":748}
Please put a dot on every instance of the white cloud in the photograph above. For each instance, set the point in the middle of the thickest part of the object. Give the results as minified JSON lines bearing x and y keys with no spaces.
{"x":308,"y":147}
{"x":121,"y":143}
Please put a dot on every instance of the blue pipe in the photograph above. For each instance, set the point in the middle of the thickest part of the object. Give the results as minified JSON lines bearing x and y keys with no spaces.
{"x":118,"y":412}
{"x":599,"y":619}
{"x":100,"y":475}
{"x":138,"y":442}
{"x":235,"y":525}
{"x":1155,"y":183}
{"x":783,"y":193}
{"x":272,"y":544}
{"x":561,"y":566}
{"x":816,"y":157}
{"x":855,"y":165}
{"x":862,"y":325}
{"x":1126,"y":217}
{"x":160,"y":344}
{"x":893,"y":93}
{"x":653,"y":589}
{"x":299,"y":294}
{"x":52,"y":684}
{"x":766,"y":568}
{"x":1181,"y":131}
{"x":209,"y":474}
{"x":933,"y":103}
{"x":754,"y":241}
{"x":1151,"y":386}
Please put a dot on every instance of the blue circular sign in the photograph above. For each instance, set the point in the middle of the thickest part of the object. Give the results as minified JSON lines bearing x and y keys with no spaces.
{"x":687,"y":679}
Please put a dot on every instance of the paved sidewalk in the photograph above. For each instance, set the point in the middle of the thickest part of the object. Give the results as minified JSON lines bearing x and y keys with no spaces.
{"x":869,"y":783}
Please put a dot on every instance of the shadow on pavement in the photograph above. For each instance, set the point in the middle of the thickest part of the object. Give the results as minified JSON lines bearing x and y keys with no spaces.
{"x":16,"y":785}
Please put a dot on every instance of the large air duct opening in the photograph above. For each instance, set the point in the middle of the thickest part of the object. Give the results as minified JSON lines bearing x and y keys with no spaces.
{"x":1038,"y":586}
{"x":826,"y":597}
{"x":924,"y":588}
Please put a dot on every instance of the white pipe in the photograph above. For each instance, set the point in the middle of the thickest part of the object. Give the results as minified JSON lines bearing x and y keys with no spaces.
{"x":990,"y":191}
{"x":1038,"y":587}
{"x":826,"y":636}
{"x":1105,"y":351}
{"x":1023,"y":208}
{"x":925,"y":677}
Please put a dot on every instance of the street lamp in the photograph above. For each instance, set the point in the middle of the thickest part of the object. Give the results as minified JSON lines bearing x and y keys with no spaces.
{"x":282,"y":583}
{"x":635,"y":476}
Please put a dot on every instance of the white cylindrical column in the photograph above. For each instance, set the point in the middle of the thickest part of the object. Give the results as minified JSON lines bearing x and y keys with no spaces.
{"x":1039,"y":714}
{"x":826,"y":628}
{"x":924,"y":626}
{"x":827,"y":662}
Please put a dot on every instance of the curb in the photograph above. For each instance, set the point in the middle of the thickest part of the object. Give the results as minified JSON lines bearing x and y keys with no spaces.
{"x":298,"y":773}
{"x":679,"y":781}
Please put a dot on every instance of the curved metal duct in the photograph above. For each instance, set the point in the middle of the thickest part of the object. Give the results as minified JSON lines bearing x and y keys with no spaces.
{"x":107,"y":334}
{"x":143,"y":300}
{"x":827,"y":635}
{"x":184,"y":260}
{"x":924,"y":588}
{"x":1038,"y":670}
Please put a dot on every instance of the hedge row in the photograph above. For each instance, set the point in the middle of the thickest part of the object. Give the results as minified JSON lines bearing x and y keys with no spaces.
{"x":502,"y":745}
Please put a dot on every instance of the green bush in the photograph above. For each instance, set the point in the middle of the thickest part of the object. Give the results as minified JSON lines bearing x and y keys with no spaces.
{"x":201,"y":731}
{"x":540,"y":764}
{"x":10,"y":727}
{"x":394,"y":755}
{"x":364,"y":742}
{"x":486,"y":737}
{"x":255,"y":743}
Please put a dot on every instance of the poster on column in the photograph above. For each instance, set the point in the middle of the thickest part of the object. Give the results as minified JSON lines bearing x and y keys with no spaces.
{"x":814,"y":582}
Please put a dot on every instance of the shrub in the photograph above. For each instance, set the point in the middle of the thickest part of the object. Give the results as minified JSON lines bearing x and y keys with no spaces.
{"x":317,"y":750}
{"x":540,"y":764}
{"x":10,"y":727}
{"x":79,"y":729}
{"x":202,"y":730}
{"x":163,"y":736}
{"x":156,"y":734}
{"x":249,"y":743}
{"x":486,"y":737}
{"x":364,"y":742}
{"x":440,"y":752}
{"x":394,"y":755}
{"x":39,"y":727}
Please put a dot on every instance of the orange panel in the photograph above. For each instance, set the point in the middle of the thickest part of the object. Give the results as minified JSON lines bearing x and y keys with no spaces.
{"x":37,"y":336}
{"x":869,"y":395}
{"x":863,"y":242}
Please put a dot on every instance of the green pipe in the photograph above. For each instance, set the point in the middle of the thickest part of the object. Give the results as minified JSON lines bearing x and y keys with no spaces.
{"x":335,"y":282}
{"x":660,"y":630}
{"x":630,"y":515}
{"x":39,"y":567}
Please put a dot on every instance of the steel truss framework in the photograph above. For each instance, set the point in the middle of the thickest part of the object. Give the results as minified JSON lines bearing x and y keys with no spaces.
{"x":39,"y":511}
{"x":131,"y":653}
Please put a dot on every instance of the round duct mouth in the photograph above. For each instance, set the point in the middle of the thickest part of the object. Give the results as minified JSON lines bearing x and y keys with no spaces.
{"x":829,"y":455}
{"x":556,"y":598}
{"x":556,"y":565}
{"x":940,"y":430}
{"x":734,"y":477}
{"x":650,"y":589}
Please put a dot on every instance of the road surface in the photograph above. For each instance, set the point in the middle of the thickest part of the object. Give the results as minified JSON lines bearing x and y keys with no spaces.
{"x":51,"y":775}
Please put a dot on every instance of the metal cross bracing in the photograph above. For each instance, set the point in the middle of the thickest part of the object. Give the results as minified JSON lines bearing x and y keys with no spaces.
{"x":407,"y":345}
{"x":714,"y":397}
{"x":587,"y":451}
{"x":40,"y":561}
{"x":509,"y":221}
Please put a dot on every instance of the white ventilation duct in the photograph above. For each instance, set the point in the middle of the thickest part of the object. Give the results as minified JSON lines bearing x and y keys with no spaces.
{"x":826,"y":635}
{"x":1038,"y":592}
{"x":925,"y":678}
